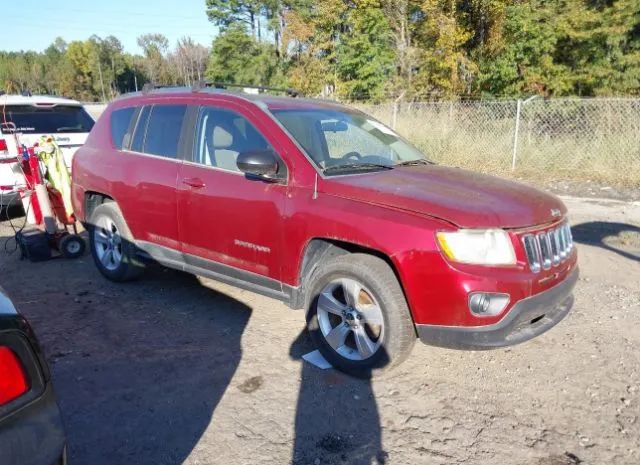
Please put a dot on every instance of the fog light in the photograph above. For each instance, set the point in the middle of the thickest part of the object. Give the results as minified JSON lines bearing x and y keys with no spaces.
{"x":487,"y":303}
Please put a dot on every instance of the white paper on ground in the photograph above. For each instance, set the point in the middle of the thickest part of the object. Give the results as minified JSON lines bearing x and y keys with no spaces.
{"x":316,"y":358}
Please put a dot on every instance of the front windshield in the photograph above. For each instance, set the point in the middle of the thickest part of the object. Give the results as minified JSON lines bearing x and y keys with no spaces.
{"x":340,"y":141}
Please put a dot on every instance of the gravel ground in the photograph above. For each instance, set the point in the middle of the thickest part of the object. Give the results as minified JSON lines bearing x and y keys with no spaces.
{"x":174,"y":369}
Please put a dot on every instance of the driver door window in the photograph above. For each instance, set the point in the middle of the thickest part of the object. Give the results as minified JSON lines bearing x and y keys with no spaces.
{"x":222,"y":135}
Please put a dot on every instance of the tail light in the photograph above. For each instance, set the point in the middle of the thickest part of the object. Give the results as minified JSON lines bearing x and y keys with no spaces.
{"x":4,"y":153}
{"x":4,"y":149}
{"x":13,"y":379}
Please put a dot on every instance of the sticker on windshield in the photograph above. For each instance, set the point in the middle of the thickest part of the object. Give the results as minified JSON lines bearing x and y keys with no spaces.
{"x":382,"y":128}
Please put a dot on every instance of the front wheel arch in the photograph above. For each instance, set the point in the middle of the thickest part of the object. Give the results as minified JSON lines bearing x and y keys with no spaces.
{"x":319,"y":250}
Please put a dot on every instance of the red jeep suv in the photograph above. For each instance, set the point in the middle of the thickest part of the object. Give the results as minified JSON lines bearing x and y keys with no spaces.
{"x":327,"y":209}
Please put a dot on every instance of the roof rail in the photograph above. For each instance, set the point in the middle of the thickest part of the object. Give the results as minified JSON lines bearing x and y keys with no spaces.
{"x":199,"y":85}
{"x":148,"y":87}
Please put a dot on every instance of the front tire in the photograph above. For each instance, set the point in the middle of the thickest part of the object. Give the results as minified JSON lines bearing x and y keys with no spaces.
{"x":358,"y":316}
{"x":112,"y":247}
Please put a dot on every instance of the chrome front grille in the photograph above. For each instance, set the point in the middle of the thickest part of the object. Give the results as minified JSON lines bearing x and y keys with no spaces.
{"x":548,"y":248}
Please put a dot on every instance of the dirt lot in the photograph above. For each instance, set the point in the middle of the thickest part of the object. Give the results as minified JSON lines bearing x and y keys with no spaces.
{"x":172,"y":369}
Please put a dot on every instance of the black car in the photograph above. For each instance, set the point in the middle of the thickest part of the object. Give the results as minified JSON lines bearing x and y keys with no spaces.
{"x":31,"y":430}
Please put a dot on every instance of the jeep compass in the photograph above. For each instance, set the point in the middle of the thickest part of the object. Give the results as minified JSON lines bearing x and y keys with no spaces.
{"x":325,"y":208}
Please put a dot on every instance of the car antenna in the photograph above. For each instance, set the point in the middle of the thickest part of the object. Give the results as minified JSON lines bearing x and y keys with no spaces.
{"x":315,"y":187}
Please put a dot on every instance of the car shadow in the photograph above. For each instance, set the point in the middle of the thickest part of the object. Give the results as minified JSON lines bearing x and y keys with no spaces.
{"x":150,"y":402}
{"x":620,"y":238}
{"x":337,"y":420}
{"x":138,"y":368}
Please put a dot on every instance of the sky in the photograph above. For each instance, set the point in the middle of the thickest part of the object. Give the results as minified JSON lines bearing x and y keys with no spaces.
{"x":34,"y":24}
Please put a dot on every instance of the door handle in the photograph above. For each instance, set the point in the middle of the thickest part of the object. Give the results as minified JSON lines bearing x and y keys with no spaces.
{"x":196,"y":183}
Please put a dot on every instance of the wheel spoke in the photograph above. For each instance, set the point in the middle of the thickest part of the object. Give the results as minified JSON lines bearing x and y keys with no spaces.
{"x":336,"y":337}
{"x":366,"y":347}
{"x":100,"y":237}
{"x":117,"y":255}
{"x":107,"y":258}
{"x":329,"y":304}
{"x":351,"y":290}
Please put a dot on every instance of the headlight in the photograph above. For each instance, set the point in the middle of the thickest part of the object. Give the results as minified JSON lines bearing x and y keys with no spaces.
{"x":478,"y":246}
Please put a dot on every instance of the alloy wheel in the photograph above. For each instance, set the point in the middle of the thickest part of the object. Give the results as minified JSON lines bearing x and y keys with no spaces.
{"x":108,"y":243}
{"x":350,"y":319}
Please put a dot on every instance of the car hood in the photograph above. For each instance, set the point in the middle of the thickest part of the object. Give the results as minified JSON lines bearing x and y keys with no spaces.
{"x":464,"y":198}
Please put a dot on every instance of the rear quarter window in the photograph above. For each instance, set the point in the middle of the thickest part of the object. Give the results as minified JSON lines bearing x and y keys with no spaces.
{"x":120,"y":122}
{"x":56,"y":119}
{"x":163,"y":130}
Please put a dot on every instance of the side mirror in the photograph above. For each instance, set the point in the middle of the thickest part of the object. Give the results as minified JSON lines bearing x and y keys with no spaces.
{"x":262,"y":164}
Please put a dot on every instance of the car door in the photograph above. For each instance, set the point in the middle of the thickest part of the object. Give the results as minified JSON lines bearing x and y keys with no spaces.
{"x":230,"y":224}
{"x":147,"y":196}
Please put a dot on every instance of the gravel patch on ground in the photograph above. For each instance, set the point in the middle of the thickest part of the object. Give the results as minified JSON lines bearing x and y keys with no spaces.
{"x":175,"y":369}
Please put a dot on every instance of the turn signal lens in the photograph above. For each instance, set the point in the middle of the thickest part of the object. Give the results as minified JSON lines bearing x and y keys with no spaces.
{"x":13,"y":381}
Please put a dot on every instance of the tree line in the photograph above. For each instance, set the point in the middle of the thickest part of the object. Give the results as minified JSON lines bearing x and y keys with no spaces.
{"x":99,"y":69}
{"x":367,"y":50}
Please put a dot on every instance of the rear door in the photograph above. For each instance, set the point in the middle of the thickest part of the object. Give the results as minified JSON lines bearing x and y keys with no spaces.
{"x":151,"y":161}
{"x":226,"y":219}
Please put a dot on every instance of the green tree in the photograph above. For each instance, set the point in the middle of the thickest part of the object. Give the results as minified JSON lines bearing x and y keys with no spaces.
{"x":79,"y":79}
{"x":154,"y":47}
{"x":365,"y":56}
{"x":238,"y":58}
{"x":566,"y":47}
{"x":524,"y":63}
{"x":444,"y":67}
{"x":225,"y":13}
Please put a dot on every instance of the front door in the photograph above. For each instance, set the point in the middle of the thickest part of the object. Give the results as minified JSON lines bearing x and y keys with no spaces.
{"x":227,"y":222}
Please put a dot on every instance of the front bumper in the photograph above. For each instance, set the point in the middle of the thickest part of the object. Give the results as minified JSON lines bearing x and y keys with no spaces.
{"x":527,"y":319}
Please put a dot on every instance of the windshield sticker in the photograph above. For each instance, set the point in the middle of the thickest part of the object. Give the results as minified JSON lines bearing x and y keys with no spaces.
{"x":382,"y":128}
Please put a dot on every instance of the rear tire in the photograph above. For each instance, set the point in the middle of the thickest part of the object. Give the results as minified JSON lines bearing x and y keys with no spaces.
{"x":358,"y":316}
{"x":112,"y":247}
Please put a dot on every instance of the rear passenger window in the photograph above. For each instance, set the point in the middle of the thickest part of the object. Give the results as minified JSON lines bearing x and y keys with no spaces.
{"x":141,"y":129}
{"x":120,"y":121}
{"x":163,"y":130}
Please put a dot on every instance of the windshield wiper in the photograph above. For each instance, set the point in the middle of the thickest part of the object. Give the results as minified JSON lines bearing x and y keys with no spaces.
{"x":356,"y":166}
{"x":419,"y":161}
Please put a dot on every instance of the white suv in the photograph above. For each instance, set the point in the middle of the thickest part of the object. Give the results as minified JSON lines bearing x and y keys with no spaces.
{"x":23,"y":119}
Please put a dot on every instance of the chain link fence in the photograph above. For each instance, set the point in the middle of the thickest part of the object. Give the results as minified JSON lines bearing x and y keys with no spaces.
{"x":551,"y":139}
{"x":595,"y":139}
